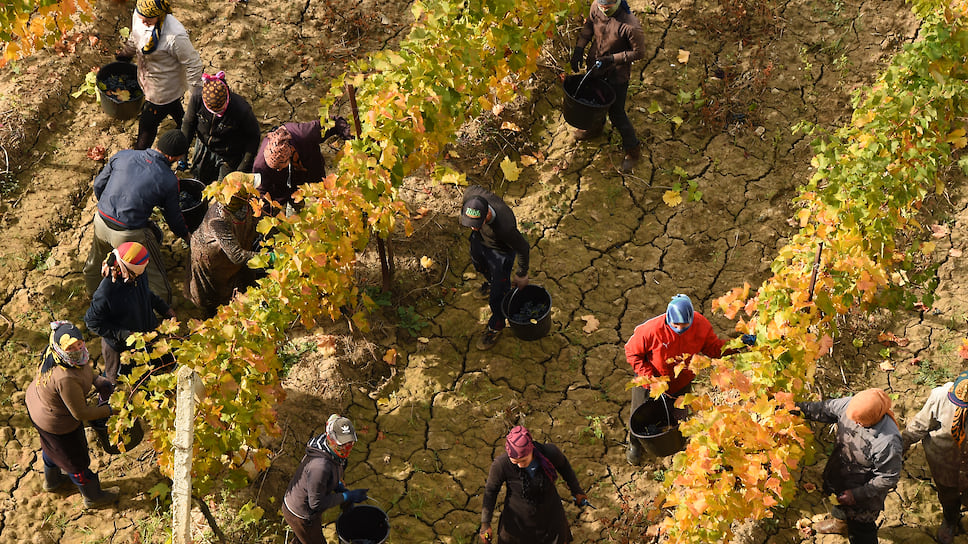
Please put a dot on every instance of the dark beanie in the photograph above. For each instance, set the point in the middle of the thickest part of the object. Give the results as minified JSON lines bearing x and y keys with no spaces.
{"x":173,"y":143}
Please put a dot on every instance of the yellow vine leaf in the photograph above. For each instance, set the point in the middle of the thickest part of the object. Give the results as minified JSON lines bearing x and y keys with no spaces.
{"x":957,"y":138}
{"x":510,"y":169}
{"x":672,"y":198}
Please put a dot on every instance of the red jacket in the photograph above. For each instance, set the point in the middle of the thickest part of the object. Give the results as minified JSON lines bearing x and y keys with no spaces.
{"x":654,"y":343}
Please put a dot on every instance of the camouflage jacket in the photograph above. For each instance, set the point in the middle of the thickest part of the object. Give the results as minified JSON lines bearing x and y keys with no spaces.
{"x":865,"y":460}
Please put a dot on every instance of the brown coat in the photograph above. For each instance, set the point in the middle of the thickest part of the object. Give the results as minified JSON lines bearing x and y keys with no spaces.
{"x":221,"y":247}
{"x":56,"y":401}
{"x":619,"y":35}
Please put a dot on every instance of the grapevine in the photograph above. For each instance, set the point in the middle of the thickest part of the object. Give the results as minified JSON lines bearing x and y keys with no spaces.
{"x":871,"y":178}
{"x":27,"y":26}
{"x":459,"y":59}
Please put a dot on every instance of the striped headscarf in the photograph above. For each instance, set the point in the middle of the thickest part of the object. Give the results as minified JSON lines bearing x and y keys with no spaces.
{"x":958,"y":395}
{"x":153,"y":8}
{"x":215,"y":93}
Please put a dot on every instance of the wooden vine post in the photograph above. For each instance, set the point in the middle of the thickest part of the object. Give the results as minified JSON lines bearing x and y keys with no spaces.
{"x":181,"y":489}
{"x":384,"y":249}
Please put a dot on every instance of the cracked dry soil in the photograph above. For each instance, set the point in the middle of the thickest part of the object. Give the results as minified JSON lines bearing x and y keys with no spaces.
{"x":607,"y":248}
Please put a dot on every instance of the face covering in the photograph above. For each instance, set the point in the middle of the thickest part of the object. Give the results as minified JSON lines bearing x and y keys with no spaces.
{"x":609,"y":10}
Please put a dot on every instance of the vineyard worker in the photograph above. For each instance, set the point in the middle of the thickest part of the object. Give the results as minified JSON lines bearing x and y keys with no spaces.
{"x":618,"y":42}
{"x":57,"y":406}
{"x":941,"y":426}
{"x":865,"y":464}
{"x":532,"y":512}
{"x":289,"y":157}
{"x":167,"y":65}
{"x":127,"y":189}
{"x":663,"y":342}
{"x":317,"y":484}
{"x":227,"y":131}
{"x":223,"y":244}
{"x":495,"y":241}
{"x":123,"y":304}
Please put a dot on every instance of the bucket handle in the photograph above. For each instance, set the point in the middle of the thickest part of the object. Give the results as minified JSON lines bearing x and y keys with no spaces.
{"x":506,"y":301}
{"x":665,"y":405}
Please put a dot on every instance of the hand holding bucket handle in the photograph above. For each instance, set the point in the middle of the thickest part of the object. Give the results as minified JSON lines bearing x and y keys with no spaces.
{"x":519,"y":281}
{"x":486,"y":534}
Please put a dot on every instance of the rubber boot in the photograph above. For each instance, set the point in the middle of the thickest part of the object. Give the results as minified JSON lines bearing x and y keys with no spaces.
{"x":632,"y":156}
{"x":54,"y":479}
{"x":634,"y":453}
{"x":95,"y":497}
{"x":946,"y":533}
{"x":831,"y":526}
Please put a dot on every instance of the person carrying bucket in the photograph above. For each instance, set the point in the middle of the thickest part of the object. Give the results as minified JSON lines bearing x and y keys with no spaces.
{"x":495,"y":241}
{"x":663,"y":342}
{"x":317,"y":484}
{"x":532,"y":512}
{"x":618,"y":41}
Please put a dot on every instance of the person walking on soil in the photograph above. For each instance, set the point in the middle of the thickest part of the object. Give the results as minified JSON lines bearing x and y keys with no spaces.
{"x":663,"y":342}
{"x":57,"y":407}
{"x":865,"y":464}
{"x":532,"y":512}
{"x":123,"y":304}
{"x":317,"y":484}
{"x":127,"y":189}
{"x":227,"y":130}
{"x":941,"y":427}
{"x":223,"y":245}
{"x":494,"y":242}
{"x":167,"y":66}
{"x":289,"y":157}
{"x":617,"y":41}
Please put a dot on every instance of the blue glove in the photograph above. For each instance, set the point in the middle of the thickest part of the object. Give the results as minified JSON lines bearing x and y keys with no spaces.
{"x":355,"y":495}
{"x":182,"y":165}
{"x":749,"y":339}
{"x":340,"y":487}
{"x":604,"y":61}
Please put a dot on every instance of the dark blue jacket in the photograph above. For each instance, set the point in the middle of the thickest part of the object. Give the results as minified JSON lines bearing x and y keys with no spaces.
{"x":119,"y":309}
{"x":131,"y":184}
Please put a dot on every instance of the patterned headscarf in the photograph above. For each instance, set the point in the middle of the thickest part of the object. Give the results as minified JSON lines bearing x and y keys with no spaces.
{"x":153,"y":8}
{"x":279,"y":149}
{"x":215,"y":93}
{"x":132,"y":259}
{"x":868,"y":407}
{"x":519,"y":444}
{"x":63,"y":335}
{"x":958,"y":395}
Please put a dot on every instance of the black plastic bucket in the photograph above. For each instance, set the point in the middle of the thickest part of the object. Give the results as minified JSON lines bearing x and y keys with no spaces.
{"x":134,"y":436}
{"x":586,"y":109}
{"x":194,"y":213}
{"x":363,"y":524}
{"x":655,"y":424}
{"x":118,"y":109}
{"x":528,"y":311}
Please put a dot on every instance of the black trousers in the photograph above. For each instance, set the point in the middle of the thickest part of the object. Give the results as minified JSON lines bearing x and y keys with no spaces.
{"x":620,"y":120}
{"x":496,"y":267}
{"x":151,"y":116}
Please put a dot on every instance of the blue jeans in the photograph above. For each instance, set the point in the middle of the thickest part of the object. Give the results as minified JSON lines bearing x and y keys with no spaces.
{"x":496,"y":267}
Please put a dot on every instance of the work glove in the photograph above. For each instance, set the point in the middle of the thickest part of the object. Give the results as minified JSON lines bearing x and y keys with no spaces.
{"x":340,"y":128}
{"x":121,"y":57}
{"x":748,"y":339}
{"x":182,"y":165}
{"x":486,"y":534}
{"x":340,"y":487}
{"x":104,"y":388}
{"x":355,"y":495}
{"x":519,"y":281}
{"x":582,"y":500}
{"x":605,"y":61}
{"x":847,"y":498}
{"x":576,"y":56}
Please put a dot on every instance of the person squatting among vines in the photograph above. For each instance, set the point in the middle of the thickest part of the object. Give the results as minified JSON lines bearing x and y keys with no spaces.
{"x":123,"y":304}
{"x":57,"y":407}
{"x":494,"y":242}
{"x":223,"y":245}
{"x":128,"y":188}
{"x":663,"y":342}
{"x":167,"y":65}
{"x":617,"y":41}
{"x":532,"y":512}
{"x":941,"y":427}
{"x":227,"y":131}
{"x":865,"y":464}
{"x":317,"y":484}
{"x":289,"y":157}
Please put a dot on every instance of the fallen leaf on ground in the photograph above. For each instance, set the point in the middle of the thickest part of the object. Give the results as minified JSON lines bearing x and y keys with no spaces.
{"x":591,"y":323}
{"x":510,"y":169}
{"x":528,"y":160}
{"x":423,"y":340}
{"x":683,"y":56}
{"x":889,"y":338}
{"x":939,"y":231}
{"x":508,"y":125}
{"x":421,"y":212}
{"x":96,"y":153}
{"x":426,"y":262}
{"x":390,"y":358}
{"x":886,"y":366}
{"x":954,"y":252}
